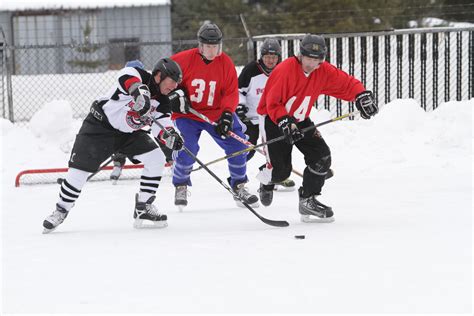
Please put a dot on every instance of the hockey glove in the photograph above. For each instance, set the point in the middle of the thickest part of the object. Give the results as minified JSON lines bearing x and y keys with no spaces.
{"x":179,"y":102}
{"x":289,"y":129}
{"x":224,"y":125}
{"x":241,"y":111}
{"x":171,"y":139}
{"x":141,"y":96}
{"x":366,"y":105}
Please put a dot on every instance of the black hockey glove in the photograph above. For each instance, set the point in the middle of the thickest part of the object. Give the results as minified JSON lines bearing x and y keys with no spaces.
{"x":141,"y":96}
{"x":366,"y":105}
{"x":179,"y":102}
{"x":224,"y":125}
{"x":289,"y":129}
{"x":241,"y":110}
{"x":172,"y":139}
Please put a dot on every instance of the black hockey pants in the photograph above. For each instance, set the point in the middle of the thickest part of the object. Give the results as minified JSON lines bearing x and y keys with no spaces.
{"x":317,"y":157}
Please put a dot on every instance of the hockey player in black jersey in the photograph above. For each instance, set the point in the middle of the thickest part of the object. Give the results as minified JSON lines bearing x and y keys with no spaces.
{"x":115,"y":124}
{"x":252,"y":82}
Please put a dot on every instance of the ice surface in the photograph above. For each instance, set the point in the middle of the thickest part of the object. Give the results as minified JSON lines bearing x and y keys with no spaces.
{"x":401,"y":242}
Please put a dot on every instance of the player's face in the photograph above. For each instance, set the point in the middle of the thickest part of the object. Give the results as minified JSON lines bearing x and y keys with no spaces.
{"x":270,"y":61}
{"x":310,"y":64}
{"x":210,"y":51}
{"x":167,"y":85}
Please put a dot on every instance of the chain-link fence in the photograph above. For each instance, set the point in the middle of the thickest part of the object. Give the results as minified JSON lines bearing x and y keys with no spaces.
{"x":429,"y":65}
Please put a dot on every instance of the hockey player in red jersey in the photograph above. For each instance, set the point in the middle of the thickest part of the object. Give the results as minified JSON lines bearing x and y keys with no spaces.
{"x":210,"y":79}
{"x":290,"y":92}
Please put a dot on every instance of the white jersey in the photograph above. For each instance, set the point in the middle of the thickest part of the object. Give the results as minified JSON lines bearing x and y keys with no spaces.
{"x":252,"y":81}
{"x":118,"y":103}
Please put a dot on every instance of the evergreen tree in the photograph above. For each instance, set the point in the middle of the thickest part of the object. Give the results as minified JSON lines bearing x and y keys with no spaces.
{"x":85,"y":58}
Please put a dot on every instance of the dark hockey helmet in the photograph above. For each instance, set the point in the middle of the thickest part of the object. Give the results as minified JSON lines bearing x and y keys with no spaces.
{"x":168,"y":68}
{"x":209,"y":33}
{"x":270,"y":46}
{"x":313,"y":46}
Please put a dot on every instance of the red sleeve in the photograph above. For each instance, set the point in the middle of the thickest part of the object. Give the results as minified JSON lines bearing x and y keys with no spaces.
{"x":128,"y":82}
{"x":182,"y":60}
{"x":230,"y":91}
{"x":340,"y":85}
{"x":275,"y":92}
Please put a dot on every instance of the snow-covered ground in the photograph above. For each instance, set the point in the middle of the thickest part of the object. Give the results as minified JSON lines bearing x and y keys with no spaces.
{"x":401,"y":242}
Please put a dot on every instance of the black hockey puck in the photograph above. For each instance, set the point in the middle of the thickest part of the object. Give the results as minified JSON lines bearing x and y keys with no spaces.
{"x":300,"y":236}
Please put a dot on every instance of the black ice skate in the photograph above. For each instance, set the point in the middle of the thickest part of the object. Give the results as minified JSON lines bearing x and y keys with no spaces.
{"x":116,"y":172}
{"x":245,"y":196}
{"x":181,"y":197}
{"x":146,"y":213}
{"x":285,"y":185}
{"x":55,"y":219}
{"x":313,"y":211}
{"x":266,"y":194}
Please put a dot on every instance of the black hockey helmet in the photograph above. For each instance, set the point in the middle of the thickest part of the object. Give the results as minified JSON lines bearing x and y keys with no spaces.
{"x":209,"y":33}
{"x":313,"y":46}
{"x":168,"y":68}
{"x":270,"y":46}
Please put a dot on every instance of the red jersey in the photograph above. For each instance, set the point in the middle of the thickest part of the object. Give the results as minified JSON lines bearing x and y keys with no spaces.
{"x":212,"y":88}
{"x":290,"y":92}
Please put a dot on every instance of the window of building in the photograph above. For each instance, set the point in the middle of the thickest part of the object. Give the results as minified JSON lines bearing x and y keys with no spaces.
{"x":122,"y":50}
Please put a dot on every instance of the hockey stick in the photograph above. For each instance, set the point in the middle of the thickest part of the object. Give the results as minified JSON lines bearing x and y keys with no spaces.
{"x":263,"y":219}
{"x":105,"y":164}
{"x":235,"y":136}
{"x":274,"y":140}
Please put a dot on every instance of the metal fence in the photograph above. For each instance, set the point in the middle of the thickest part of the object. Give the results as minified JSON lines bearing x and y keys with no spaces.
{"x":429,"y":65}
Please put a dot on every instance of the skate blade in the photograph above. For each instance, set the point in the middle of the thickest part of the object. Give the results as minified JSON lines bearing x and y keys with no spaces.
{"x":315,"y":219}
{"x":281,"y":188}
{"x":47,"y":231}
{"x":144,"y":224}
{"x":114,"y":181}
{"x":181,"y":208}
{"x":254,"y":205}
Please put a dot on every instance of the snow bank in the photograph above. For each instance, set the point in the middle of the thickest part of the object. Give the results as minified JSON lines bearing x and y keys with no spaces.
{"x":53,"y":124}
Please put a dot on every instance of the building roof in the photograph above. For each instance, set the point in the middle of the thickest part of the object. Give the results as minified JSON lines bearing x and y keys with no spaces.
{"x":23,"y":5}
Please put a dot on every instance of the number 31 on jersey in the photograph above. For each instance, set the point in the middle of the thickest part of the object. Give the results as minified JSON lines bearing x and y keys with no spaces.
{"x":200,"y":85}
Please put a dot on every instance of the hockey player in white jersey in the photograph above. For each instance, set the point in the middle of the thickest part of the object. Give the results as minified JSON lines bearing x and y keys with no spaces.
{"x":115,"y":124}
{"x":119,"y":159}
{"x":252,"y":82}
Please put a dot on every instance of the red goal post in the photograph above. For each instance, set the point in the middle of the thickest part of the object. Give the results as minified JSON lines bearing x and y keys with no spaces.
{"x":47,"y":176}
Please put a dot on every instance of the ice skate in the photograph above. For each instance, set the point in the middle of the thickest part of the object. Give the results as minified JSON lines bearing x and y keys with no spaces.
{"x":313,"y":211}
{"x":245,"y":195}
{"x":55,"y":219}
{"x":146,"y":215}
{"x":181,"y":197}
{"x":266,"y":194}
{"x":330,"y":174}
{"x":116,"y":172}
{"x":287,"y":185}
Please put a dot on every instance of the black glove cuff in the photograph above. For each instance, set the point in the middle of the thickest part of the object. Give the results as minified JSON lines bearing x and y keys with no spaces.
{"x":366,"y":93}
{"x":285,"y":120}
